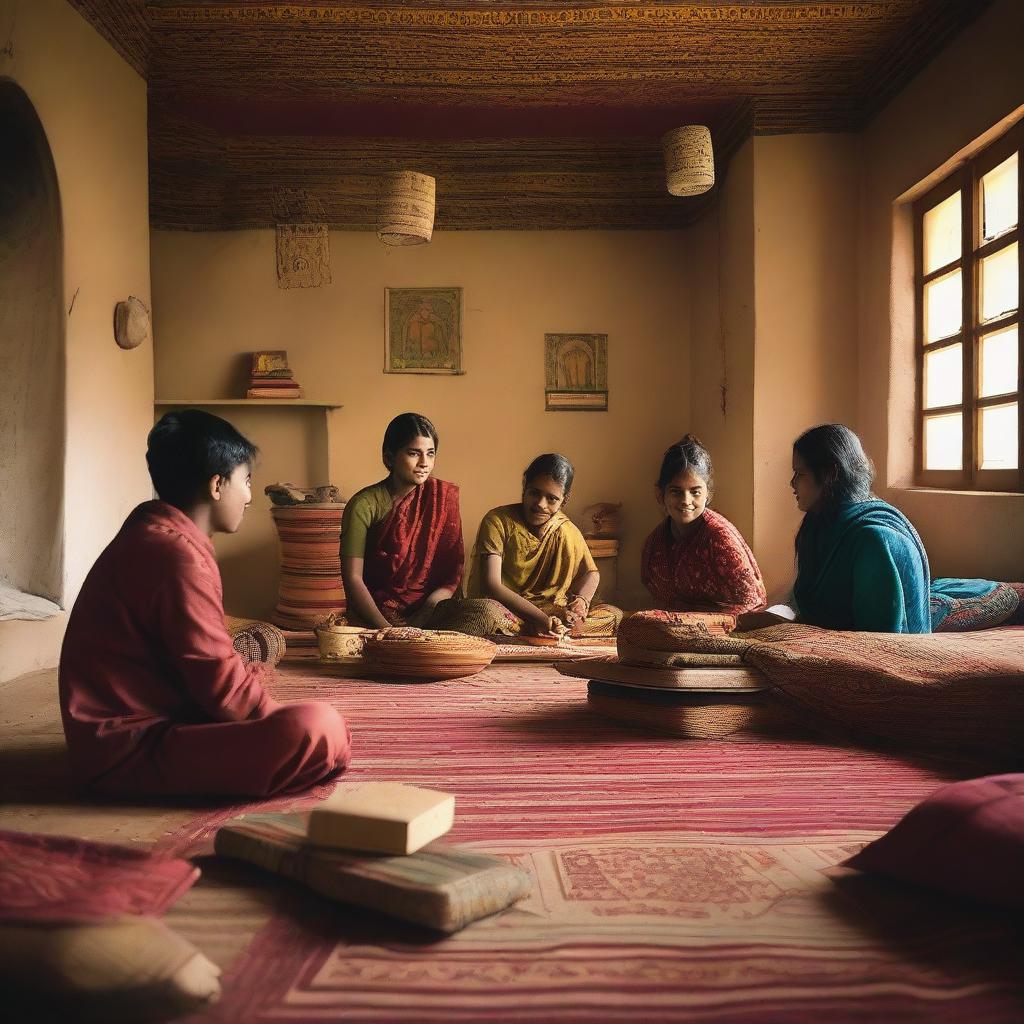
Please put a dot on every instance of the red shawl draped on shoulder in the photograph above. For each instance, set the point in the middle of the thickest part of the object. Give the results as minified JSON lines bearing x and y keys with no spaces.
{"x":415,"y":549}
{"x":709,"y":569}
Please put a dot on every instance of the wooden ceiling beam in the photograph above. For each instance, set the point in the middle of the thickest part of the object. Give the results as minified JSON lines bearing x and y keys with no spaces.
{"x":530,"y":113}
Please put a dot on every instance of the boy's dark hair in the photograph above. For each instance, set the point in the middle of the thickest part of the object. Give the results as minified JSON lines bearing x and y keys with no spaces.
{"x":840,"y":465}
{"x":684,"y":455}
{"x":186,"y":449}
{"x":558,"y":467}
{"x":401,"y":430}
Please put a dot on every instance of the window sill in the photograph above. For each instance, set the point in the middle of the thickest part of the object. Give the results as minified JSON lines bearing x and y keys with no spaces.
{"x":922,"y":489}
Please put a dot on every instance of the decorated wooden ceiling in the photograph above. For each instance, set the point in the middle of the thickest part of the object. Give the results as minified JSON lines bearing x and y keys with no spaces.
{"x":531,"y":114}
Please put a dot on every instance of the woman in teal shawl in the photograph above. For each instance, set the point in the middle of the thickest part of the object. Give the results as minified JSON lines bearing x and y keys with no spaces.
{"x":861,"y":564}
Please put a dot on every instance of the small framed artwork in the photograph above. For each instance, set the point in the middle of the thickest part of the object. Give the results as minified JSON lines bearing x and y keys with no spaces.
{"x":576,"y":372}
{"x":423,"y":330}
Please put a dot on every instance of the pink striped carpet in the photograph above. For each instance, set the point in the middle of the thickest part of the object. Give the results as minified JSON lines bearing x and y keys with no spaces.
{"x":675,"y":880}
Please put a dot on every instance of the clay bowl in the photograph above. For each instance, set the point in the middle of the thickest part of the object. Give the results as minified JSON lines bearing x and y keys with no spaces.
{"x":405,"y":654}
{"x":341,"y":642}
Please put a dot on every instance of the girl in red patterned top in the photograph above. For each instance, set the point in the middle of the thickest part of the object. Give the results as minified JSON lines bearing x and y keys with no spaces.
{"x":696,"y":560}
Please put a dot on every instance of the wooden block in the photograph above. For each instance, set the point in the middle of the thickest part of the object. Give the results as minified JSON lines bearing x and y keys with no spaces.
{"x":440,"y":887}
{"x":381,"y":817}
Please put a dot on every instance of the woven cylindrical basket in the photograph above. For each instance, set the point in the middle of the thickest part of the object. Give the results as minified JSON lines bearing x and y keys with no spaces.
{"x":673,"y":631}
{"x":689,"y":160}
{"x":310,"y":588}
{"x":405,"y":209}
{"x":425,"y":655}
{"x":603,"y":547}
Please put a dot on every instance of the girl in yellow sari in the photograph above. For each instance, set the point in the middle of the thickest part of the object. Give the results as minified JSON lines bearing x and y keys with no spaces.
{"x":531,"y":557}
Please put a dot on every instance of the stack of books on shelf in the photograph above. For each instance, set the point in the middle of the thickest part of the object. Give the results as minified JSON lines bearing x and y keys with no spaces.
{"x":271,"y":377}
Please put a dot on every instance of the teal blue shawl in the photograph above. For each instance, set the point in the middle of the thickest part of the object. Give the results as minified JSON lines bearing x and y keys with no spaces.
{"x":862,"y":566}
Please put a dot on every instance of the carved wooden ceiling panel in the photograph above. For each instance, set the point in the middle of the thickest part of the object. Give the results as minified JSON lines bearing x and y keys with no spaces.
{"x":530,"y":113}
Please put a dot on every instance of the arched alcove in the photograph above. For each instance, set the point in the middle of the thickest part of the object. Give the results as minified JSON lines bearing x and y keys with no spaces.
{"x":32,"y":407}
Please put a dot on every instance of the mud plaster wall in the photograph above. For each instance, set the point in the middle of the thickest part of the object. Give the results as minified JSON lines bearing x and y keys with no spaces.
{"x":722,"y":348}
{"x":216,"y":297}
{"x":92,"y":107}
{"x":933,"y":124}
{"x":806,"y":203}
{"x":31,"y":354}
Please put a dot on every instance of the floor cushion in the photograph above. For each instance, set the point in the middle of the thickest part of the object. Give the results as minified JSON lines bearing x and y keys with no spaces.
{"x":966,"y":838}
{"x":78,"y":935}
{"x":118,"y":969}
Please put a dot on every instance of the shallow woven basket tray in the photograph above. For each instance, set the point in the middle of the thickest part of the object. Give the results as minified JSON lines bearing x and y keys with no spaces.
{"x":406,"y":653}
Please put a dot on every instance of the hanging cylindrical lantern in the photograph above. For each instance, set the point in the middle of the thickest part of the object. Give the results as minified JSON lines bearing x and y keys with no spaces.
{"x":689,"y":160}
{"x":405,"y":210}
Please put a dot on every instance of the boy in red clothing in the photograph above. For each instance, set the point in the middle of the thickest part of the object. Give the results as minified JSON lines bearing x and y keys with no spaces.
{"x":154,"y":698}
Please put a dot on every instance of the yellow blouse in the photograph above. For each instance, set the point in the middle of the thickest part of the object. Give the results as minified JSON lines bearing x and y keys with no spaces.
{"x":541,"y":569}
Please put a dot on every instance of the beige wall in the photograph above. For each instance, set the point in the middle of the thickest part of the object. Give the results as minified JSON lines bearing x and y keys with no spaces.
{"x":806,"y":201}
{"x":774,"y":317}
{"x":722,"y":352}
{"x":92,"y":106}
{"x":932,"y":124}
{"x":216,"y":298}
{"x":31,"y":354}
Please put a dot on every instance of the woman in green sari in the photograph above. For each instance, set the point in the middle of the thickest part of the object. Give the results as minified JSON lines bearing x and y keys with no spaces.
{"x":860,"y":562}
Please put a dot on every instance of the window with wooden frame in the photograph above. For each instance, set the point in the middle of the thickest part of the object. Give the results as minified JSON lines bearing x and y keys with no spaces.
{"x":970,"y":346}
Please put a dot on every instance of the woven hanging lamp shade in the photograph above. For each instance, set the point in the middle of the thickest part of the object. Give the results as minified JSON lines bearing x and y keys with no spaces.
{"x":689,"y":160}
{"x":405,"y":210}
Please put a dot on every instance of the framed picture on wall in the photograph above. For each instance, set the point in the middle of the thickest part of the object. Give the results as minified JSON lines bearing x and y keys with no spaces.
{"x":576,"y":372}
{"x":423,"y":330}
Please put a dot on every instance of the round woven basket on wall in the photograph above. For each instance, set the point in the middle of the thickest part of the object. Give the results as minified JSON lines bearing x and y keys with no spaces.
{"x":310,"y":588}
{"x":405,"y":210}
{"x":689,"y":160}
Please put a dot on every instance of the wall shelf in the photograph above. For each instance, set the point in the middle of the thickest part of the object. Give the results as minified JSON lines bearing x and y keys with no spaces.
{"x":322,"y":438}
{"x":307,"y":402}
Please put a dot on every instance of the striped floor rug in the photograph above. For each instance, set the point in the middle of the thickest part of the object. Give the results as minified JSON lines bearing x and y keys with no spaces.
{"x":674,"y":880}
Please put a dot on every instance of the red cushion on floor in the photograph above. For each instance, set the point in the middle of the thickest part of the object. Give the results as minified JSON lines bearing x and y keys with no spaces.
{"x":966,"y":838}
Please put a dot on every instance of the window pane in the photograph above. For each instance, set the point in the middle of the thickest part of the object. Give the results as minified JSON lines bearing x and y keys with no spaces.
{"x":942,"y":233}
{"x":998,"y":363}
{"x":943,"y":377}
{"x":999,"y":437}
{"x":943,"y":307}
{"x":999,"y":283}
{"x":999,"y":189}
{"x":944,"y":442}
